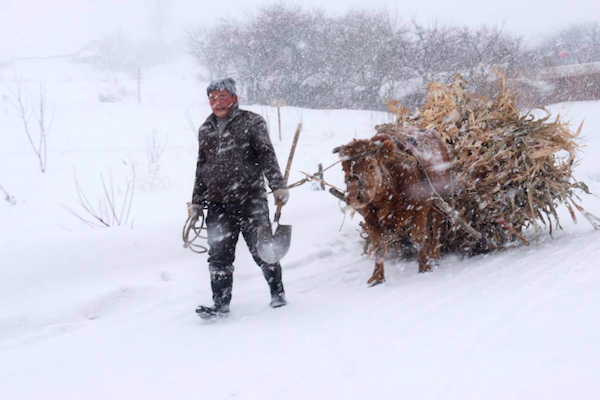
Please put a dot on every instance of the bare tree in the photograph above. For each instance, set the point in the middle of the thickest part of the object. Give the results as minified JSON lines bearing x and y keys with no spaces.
{"x":356,"y":60}
{"x":441,"y":52}
{"x":484,"y":51}
{"x":213,"y":48}
{"x":29,"y":107}
{"x":375,"y":57}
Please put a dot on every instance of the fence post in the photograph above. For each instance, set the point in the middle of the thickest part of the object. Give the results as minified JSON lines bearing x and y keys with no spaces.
{"x":279,"y":103}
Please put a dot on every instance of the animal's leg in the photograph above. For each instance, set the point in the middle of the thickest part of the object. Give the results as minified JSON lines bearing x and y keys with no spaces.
{"x":420,"y":237}
{"x":436,"y":229}
{"x":378,"y":273}
{"x":426,"y":264}
{"x":434,"y":232}
{"x":375,"y":232}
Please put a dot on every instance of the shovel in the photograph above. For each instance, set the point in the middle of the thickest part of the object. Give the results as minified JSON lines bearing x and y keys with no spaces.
{"x":273,"y":247}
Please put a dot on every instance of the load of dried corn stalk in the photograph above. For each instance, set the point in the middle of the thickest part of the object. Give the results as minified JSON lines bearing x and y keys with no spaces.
{"x":511,"y":170}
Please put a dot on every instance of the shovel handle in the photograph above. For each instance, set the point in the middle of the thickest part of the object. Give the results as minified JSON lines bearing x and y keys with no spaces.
{"x":287,"y":171}
{"x":278,"y":212}
{"x":291,"y":158}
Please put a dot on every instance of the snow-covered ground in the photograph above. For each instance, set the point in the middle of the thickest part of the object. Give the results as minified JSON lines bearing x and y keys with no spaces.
{"x":109,"y":313}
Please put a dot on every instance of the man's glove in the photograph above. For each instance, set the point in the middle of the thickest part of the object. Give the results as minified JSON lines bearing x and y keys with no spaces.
{"x":282,"y":195}
{"x":194,"y":207}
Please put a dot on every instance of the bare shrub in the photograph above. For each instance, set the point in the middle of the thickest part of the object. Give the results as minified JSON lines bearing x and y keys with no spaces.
{"x":108,"y":98}
{"x":114,"y":93}
{"x":111,"y":209}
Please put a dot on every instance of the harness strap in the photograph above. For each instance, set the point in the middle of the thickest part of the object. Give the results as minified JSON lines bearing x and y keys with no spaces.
{"x":409,"y":148}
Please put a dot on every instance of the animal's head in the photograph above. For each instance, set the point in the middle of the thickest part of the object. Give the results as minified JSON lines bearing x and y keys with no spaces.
{"x":363,"y":172}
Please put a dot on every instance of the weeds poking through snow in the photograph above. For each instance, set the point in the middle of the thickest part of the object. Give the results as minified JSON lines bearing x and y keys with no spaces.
{"x":190,"y":121}
{"x":8,"y":197}
{"x":111,"y":210}
{"x":154,"y":150}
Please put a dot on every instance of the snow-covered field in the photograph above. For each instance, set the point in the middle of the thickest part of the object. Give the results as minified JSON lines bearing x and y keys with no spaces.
{"x":109,"y":313}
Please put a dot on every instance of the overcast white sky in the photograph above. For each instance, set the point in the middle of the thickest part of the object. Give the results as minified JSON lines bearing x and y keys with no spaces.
{"x":48,"y":27}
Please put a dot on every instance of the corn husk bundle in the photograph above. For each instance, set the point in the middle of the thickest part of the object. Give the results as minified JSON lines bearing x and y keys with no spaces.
{"x":511,"y":170}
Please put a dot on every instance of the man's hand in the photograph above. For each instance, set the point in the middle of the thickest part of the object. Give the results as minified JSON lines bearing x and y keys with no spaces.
{"x":191,"y":208}
{"x":282,"y":195}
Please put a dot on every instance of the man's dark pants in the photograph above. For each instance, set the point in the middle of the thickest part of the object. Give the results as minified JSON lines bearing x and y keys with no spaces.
{"x":224,"y":223}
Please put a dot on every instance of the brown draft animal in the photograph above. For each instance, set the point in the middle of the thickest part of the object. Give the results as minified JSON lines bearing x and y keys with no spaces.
{"x":391,"y":180}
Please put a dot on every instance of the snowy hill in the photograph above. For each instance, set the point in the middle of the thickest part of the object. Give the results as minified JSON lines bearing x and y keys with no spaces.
{"x":109,"y":313}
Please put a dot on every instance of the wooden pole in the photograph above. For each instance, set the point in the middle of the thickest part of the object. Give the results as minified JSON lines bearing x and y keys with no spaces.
{"x":294,"y":143}
{"x":139,"y":84}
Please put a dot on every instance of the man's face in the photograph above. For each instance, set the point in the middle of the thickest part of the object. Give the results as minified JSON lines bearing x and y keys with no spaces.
{"x":221,"y":102}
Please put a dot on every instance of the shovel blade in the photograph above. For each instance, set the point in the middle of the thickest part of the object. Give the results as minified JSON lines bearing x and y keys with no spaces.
{"x":271,"y":247}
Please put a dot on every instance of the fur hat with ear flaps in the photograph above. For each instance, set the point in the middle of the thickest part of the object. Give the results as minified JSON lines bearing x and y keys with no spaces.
{"x":226,"y":84}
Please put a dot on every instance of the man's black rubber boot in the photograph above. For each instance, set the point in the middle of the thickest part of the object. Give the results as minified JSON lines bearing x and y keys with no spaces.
{"x":273,"y":277}
{"x":212,"y":312}
{"x":278,"y":300}
{"x":221,"y":285}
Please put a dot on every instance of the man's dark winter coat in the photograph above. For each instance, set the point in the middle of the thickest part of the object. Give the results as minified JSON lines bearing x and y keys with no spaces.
{"x":232,"y":163}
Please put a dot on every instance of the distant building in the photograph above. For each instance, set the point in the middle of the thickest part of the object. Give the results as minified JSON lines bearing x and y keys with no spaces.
{"x":574,"y":82}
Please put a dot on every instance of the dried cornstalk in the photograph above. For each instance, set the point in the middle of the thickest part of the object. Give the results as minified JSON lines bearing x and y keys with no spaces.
{"x":511,"y":170}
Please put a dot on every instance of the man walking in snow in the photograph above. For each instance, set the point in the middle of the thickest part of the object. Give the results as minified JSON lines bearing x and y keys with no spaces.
{"x":235,"y":155}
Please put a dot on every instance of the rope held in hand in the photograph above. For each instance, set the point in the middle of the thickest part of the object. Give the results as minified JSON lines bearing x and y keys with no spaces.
{"x":191,"y":224}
